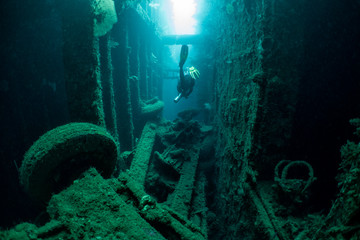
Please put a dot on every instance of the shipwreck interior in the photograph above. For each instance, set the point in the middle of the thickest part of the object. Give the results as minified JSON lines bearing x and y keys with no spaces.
{"x":93,"y":145}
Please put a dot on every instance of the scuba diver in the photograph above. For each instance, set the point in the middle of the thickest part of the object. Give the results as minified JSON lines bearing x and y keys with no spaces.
{"x":187,"y":80}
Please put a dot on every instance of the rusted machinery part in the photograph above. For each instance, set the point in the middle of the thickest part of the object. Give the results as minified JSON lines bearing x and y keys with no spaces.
{"x":59,"y":156}
{"x":277,"y":169}
{"x":165,"y":220}
{"x":281,"y":179}
{"x":152,"y":107}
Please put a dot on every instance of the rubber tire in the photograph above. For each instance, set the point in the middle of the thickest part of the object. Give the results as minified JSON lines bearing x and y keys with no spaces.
{"x":65,"y":153}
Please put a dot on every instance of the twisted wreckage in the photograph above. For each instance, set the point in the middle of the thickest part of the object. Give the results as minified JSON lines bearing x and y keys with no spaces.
{"x":118,"y":207}
{"x":163,"y":193}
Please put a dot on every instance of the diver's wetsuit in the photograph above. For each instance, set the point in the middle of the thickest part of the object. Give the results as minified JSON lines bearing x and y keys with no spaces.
{"x":186,"y":84}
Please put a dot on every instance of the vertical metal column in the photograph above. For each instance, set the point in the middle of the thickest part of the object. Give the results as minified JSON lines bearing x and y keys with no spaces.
{"x":81,"y":62}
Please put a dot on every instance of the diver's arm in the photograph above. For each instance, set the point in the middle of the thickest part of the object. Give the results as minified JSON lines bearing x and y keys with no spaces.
{"x":190,"y":91}
{"x":191,"y":87}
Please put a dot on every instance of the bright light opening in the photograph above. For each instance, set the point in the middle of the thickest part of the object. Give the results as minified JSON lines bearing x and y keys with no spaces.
{"x":183,"y":12}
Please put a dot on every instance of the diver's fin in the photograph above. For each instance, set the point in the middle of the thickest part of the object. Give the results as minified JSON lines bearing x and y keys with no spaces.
{"x":183,"y":55}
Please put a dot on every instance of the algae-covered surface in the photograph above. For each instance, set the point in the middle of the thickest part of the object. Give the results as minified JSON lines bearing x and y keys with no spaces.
{"x":60,"y":155}
{"x":118,"y":208}
{"x":94,"y":208}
